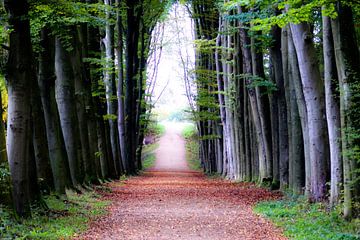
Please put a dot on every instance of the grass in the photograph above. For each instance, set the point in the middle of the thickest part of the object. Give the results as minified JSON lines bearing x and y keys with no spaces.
{"x":148,"y":154}
{"x":155,"y":129}
{"x":303,"y":221}
{"x":65,"y":219}
{"x":192,"y":147}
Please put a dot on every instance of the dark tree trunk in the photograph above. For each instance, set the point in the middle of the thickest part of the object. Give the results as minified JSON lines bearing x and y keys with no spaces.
{"x":348,"y":62}
{"x":39,"y":140}
{"x":110,"y":89}
{"x":19,"y":80}
{"x":46,"y":81}
{"x":132,"y":67}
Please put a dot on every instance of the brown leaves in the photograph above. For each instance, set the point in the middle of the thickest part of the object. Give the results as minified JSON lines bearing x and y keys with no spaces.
{"x":182,"y":205}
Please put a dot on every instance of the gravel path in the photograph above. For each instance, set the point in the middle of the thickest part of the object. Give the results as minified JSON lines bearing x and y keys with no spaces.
{"x":172,"y":202}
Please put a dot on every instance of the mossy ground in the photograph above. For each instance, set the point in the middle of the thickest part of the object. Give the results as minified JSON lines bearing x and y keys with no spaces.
{"x":192,"y":147}
{"x":303,"y":221}
{"x":64,"y":219}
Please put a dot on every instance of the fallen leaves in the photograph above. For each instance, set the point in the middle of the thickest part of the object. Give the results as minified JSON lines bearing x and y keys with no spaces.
{"x":182,"y":205}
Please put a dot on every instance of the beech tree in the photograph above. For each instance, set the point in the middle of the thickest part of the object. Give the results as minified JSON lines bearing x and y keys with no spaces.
{"x":274,"y":93}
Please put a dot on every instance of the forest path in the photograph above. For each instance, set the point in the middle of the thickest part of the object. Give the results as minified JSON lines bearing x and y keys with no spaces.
{"x":170,"y":201}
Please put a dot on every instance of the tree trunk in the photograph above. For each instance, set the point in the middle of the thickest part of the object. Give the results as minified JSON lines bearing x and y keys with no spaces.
{"x":348,"y":62}
{"x":88,"y":163}
{"x":46,"y":81}
{"x":332,"y":111}
{"x":120,"y":89}
{"x":65,"y":98}
{"x":300,"y":99}
{"x":132,"y":69}
{"x":285,"y":126}
{"x":313,"y":89}
{"x":93,"y":36}
{"x":19,"y":80}
{"x":39,"y":140}
{"x":110,"y":88}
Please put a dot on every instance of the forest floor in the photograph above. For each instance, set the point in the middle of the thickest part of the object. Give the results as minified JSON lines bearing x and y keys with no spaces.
{"x":170,"y":201}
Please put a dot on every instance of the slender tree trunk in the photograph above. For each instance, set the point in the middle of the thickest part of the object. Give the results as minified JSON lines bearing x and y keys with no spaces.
{"x":110,"y":86}
{"x":46,"y":81}
{"x":313,"y":89}
{"x":65,"y":98}
{"x":263,"y":106}
{"x":39,"y":140}
{"x":332,"y":111}
{"x":93,"y":37}
{"x":275,"y":97}
{"x":90,"y":109}
{"x":120,"y":90}
{"x":296,"y":151}
{"x":296,"y":79}
{"x":245,"y":40}
{"x":80,"y":100}
{"x":348,"y":62}
{"x":132,"y":67}
{"x":285,"y":170}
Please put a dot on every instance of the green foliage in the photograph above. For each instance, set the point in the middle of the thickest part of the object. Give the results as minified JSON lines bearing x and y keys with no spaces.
{"x":148,"y":154}
{"x":149,"y":161}
{"x":192,"y":147}
{"x":180,"y":115}
{"x":260,"y":82}
{"x":302,"y":220}
{"x":64,"y":220}
{"x":5,"y":189}
{"x":110,"y":117}
{"x":155,"y":129}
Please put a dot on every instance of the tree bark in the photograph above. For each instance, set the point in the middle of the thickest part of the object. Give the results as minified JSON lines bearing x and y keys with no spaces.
{"x":19,"y":80}
{"x":313,"y":89}
{"x":120,"y":90}
{"x":56,"y":145}
{"x":39,"y":140}
{"x":110,"y":88}
{"x":65,"y":98}
{"x":348,"y":62}
{"x":132,"y":68}
{"x":300,"y":99}
{"x":332,"y":111}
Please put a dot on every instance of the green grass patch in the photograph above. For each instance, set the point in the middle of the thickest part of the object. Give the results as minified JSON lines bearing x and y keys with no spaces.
{"x":64,"y":220}
{"x":155,"y":129}
{"x":301,"y":220}
{"x":149,"y":161}
{"x":148,"y":154}
{"x":192,"y":147}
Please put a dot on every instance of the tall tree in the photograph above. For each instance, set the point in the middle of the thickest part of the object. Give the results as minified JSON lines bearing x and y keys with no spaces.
{"x":313,"y":89}
{"x":348,"y":62}
{"x":19,"y":80}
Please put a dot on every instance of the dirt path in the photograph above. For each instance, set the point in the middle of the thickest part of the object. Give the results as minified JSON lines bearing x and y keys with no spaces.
{"x":171,"y":202}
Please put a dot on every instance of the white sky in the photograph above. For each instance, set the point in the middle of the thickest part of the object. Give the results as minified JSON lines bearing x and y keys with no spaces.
{"x":178,"y":41}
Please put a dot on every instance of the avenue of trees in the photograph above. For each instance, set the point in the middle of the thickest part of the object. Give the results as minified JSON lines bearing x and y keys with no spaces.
{"x":75,"y":80}
{"x":278,"y":95}
{"x":276,"y":102}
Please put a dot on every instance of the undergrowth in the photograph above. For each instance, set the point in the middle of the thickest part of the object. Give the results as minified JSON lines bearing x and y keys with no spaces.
{"x":64,"y":220}
{"x":155,"y":128}
{"x":303,"y":221}
{"x":192,"y":147}
{"x":148,"y":154}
